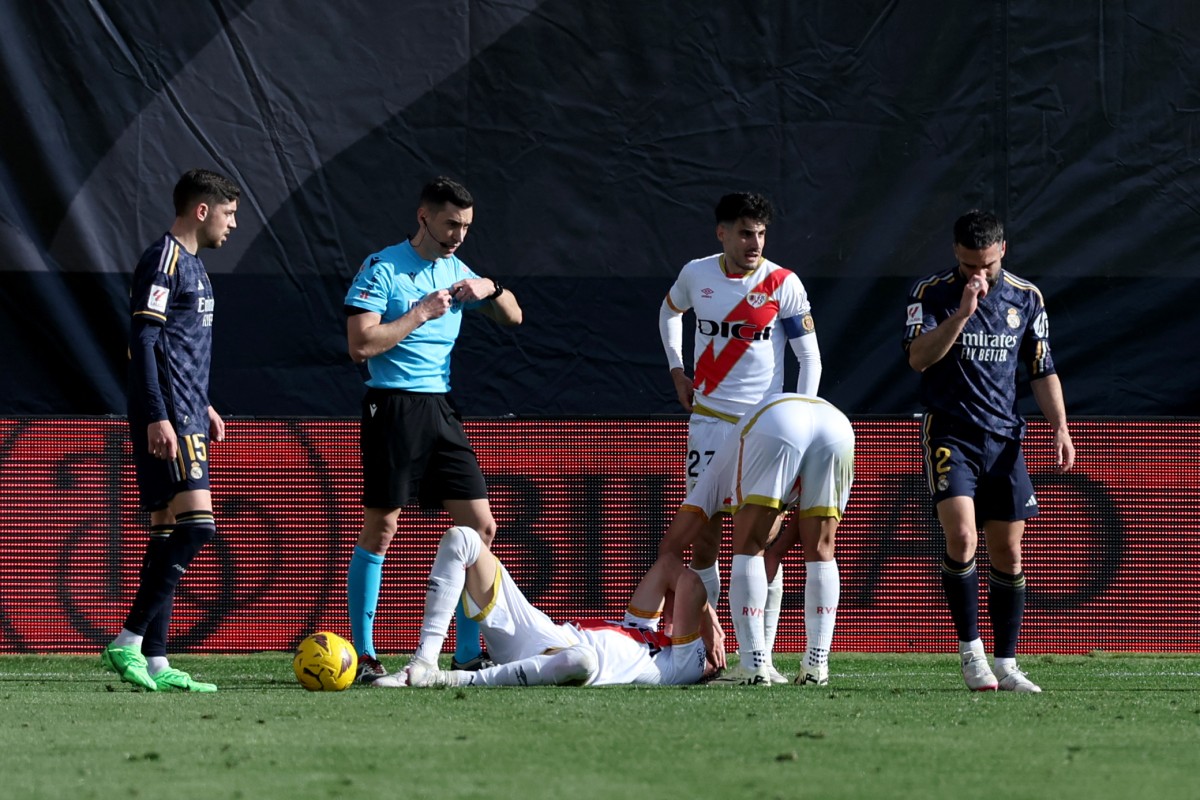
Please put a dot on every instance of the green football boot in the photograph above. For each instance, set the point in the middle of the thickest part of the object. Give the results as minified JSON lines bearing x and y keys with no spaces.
{"x":176,"y":680}
{"x":130,"y":664}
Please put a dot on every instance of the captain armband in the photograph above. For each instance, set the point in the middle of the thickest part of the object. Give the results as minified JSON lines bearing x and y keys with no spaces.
{"x":795,"y":327}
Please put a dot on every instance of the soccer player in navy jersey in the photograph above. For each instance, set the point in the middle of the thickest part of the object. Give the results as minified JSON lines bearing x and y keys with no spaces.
{"x":405,"y":308}
{"x":967,"y":330}
{"x":170,"y":420}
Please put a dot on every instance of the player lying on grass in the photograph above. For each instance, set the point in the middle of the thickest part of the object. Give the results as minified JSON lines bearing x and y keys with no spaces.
{"x":531,"y":650}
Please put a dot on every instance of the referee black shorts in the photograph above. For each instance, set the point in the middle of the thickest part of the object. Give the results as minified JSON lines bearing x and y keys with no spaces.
{"x":413,"y":445}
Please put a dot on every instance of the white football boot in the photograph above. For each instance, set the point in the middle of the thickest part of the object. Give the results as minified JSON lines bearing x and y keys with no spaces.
{"x":422,"y":674}
{"x":743,"y":676}
{"x":813,"y":676}
{"x":1015,"y":680}
{"x":777,"y":677}
{"x":393,"y":680}
{"x":976,"y":672}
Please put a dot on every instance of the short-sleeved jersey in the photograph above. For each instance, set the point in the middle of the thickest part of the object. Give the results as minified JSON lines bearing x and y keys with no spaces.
{"x":739,"y":344}
{"x":639,"y":657}
{"x":515,"y":629}
{"x":977,"y":380}
{"x":171,"y":289}
{"x":390,"y":283}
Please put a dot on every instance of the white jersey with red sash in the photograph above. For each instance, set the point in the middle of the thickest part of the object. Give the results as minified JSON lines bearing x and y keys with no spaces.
{"x":638,"y":656}
{"x":515,"y":629}
{"x":739,"y":346}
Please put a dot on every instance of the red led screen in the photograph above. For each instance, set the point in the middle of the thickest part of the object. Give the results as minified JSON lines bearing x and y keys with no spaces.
{"x":1113,"y":561}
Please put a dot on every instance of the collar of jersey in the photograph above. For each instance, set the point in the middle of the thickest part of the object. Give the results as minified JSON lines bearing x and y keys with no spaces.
{"x":740,"y":275}
{"x":413,"y":256}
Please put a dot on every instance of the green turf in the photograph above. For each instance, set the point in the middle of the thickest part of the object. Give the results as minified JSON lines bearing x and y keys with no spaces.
{"x":888,"y":726}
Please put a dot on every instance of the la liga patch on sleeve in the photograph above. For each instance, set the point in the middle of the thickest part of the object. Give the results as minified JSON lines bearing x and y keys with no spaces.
{"x":158,"y":298}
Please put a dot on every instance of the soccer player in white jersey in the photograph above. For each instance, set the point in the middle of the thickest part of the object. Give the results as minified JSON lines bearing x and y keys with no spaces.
{"x":789,"y":450}
{"x":746,"y":308}
{"x":531,"y":650}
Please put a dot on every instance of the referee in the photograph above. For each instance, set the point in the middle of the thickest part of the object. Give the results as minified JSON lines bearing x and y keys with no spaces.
{"x":405,"y":310}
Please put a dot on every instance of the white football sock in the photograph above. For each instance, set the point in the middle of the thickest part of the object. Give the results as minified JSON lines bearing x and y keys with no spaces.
{"x":711,"y":576}
{"x":747,"y":596}
{"x":459,"y":549}
{"x":574,"y":665}
{"x":822,"y":590}
{"x":773,"y":608}
{"x":637,"y":618}
{"x":156,"y":664}
{"x":973,"y":646}
{"x":127,"y":638}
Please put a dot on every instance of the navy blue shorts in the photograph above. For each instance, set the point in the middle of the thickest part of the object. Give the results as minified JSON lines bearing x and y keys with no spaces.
{"x":413,"y":445}
{"x":963,"y":460}
{"x":158,"y":480}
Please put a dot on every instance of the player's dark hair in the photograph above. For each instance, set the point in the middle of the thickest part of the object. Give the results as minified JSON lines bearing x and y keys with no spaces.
{"x":203,"y":186}
{"x":749,"y":205}
{"x":442,"y":190}
{"x":978,"y":230}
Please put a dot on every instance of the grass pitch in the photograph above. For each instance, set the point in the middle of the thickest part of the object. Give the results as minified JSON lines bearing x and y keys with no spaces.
{"x":887,"y":726}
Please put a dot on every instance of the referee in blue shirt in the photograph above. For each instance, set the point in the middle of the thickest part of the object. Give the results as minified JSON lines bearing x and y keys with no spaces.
{"x":405,"y":310}
{"x":967,"y":329}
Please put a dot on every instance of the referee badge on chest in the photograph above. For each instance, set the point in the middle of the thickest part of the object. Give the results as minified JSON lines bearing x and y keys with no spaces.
{"x":1014,"y":319}
{"x":756,"y":299}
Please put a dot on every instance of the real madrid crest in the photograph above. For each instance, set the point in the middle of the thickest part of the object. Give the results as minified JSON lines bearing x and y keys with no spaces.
{"x":196,"y":473}
{"x":1014,"y":319}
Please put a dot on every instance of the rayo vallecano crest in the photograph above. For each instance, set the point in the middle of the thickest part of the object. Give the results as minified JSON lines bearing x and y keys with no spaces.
{"x":756,"y":299}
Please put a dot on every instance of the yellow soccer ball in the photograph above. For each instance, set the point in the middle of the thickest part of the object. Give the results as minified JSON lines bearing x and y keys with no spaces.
{"x":325,"y":662}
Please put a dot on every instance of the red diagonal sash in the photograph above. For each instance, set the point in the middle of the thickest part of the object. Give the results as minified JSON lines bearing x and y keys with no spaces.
{"x":711,"y":369}
{"x":653,"y":638}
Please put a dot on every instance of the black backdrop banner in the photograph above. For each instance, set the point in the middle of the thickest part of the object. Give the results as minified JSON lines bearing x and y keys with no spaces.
{"x":596,"y":139}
